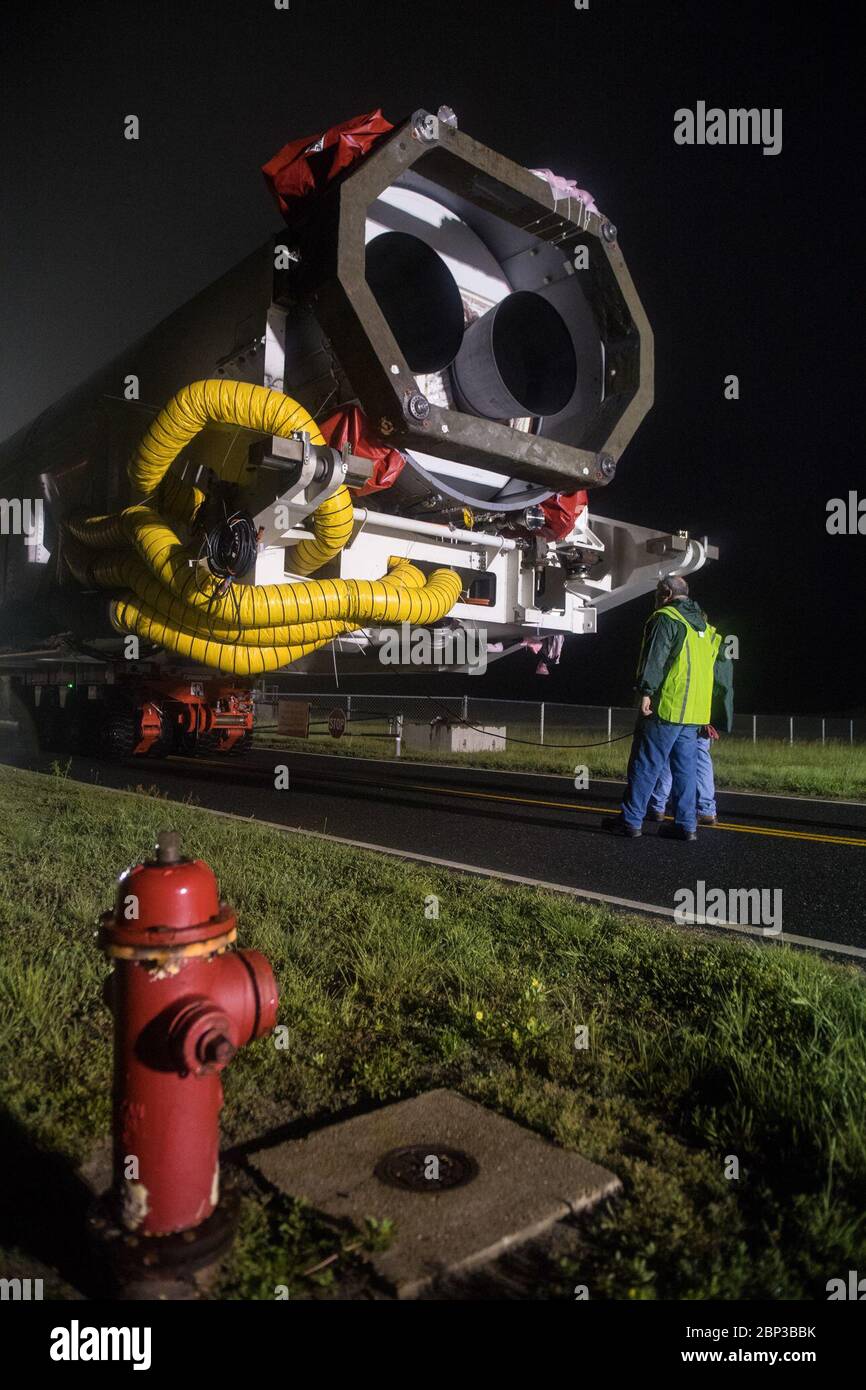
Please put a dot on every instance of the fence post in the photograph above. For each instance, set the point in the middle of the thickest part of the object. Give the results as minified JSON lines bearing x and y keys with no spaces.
{"x":851,"y":731}
{"x":609,"y":723}
{"x":348,"y":707}
{"x":754,"y":728}
{"x":465,"y":709}
{"x":542,"y":722}
{"x":823,"y":722}
{"x":791,"y":729}
{"x":399,"y":744}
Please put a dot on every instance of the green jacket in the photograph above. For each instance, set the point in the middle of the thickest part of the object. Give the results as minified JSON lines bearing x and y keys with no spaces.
{"x":662,"y":643}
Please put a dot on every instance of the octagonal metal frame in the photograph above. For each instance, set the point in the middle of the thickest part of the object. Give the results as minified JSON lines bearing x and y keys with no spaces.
{"x":440,"y":159}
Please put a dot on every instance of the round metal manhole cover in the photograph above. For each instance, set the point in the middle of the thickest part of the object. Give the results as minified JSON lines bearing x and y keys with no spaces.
{"x":426,"y":1168}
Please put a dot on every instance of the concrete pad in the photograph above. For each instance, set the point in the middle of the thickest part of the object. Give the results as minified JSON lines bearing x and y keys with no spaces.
{"x":522,"y":1183}
{"x":454,"y":738}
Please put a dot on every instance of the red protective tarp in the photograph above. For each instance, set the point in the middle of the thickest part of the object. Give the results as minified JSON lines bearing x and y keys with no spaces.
{"x":351,"y":424}
{"x":561,"y":512}
{"x":308,"y":165}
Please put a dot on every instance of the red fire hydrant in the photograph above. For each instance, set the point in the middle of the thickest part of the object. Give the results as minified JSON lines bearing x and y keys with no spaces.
{"x":183,"y":1003}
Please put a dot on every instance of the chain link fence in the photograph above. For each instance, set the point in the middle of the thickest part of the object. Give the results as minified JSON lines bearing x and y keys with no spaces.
{"x":546,"y":721}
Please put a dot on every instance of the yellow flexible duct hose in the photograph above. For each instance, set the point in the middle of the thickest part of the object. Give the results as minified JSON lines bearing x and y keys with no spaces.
{"x":212,"y":402}
{"x":177,"y":424}
{"x":159,"y":603}
{"x":253,"y":408}
{"x":168,"y":575}
{"x":247,"y":630}
{"x":403,"y":595}
{"x":211,"y":643}
{"x":391,"y":599}
{"x":178,"y":499}
{"x":236,"y":660}
{"x":332,"y":527}
{"x":254,"y":653}
{"x":297,"y":633}
{"x":128,"y":574}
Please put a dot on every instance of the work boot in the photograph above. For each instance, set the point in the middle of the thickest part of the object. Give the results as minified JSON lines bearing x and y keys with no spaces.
{"x":676,"y":832}
{"x":617,"y":826}
{"x":654,"y":815}
{"x":706,"y":820}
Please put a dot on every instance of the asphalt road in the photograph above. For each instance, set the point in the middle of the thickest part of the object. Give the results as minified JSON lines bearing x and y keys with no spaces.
{"x":541,"y":829}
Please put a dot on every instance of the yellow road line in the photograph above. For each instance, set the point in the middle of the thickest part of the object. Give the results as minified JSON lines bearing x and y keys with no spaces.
{"x":789,"y":834}
{"x":564,"y":806}
{"x":606,"y":811}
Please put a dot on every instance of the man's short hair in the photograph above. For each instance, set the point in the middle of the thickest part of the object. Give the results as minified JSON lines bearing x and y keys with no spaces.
{"x":675,"y":585}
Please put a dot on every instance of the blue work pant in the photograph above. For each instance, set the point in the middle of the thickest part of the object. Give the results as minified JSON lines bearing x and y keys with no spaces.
{"x":705,"y":783}
{"x":655,"y":747}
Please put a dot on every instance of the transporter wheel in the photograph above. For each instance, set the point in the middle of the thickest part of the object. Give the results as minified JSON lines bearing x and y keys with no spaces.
{"x":192,"y":743}
{"x":117,"y":737}
{"x":160,"y":749}
{"x":84,"y":727}
{"x":216,"y":742}
{"x":164,"y":744}
{"x":209,"y":743}
{"x":51,"y":728}
{"x":244,"y":743}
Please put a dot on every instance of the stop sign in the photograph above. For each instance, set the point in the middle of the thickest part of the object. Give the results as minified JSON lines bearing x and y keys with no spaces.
{"x":336,"y":723}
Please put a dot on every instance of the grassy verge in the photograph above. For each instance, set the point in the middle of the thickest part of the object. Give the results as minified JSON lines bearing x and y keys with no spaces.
{"x":834,"y":769}
{"x":700,"y":1051}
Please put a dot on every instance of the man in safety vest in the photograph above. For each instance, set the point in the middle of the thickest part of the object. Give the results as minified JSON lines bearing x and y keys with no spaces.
{"x":679,"y":667}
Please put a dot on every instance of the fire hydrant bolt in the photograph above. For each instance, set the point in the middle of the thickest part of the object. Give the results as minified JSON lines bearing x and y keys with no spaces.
{"x":184,"y":1000}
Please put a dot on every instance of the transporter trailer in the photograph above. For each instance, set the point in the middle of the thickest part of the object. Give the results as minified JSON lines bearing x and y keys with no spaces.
{"x":393,"y":414}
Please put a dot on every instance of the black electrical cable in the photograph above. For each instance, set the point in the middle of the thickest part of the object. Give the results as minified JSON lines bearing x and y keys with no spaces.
{"x":505,"y":738}
{"x":532,"y":742}
{"x":229,"y":550}
{"x":230,"y":546}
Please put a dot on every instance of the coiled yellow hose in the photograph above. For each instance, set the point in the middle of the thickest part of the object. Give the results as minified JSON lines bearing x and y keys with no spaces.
{"x":176,"y":602}
{"x":253,"y":651}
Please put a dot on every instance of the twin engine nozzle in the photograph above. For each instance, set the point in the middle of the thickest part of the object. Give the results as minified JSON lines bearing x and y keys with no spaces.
{"x":517,"y":359}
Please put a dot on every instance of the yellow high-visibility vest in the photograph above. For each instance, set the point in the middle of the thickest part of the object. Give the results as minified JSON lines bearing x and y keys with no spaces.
{"x":686,"y":693}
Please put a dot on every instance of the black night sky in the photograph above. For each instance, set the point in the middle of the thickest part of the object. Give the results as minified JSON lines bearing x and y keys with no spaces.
{"x":745,"y":263}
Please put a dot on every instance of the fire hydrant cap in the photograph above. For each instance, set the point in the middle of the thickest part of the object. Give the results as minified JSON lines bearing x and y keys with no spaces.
{"x":167,"y":906}
{"x":184,"y":894}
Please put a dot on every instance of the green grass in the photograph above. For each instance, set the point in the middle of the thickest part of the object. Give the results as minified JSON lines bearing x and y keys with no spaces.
{"x":834,"y":769}
{"x":699,"y":1048}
